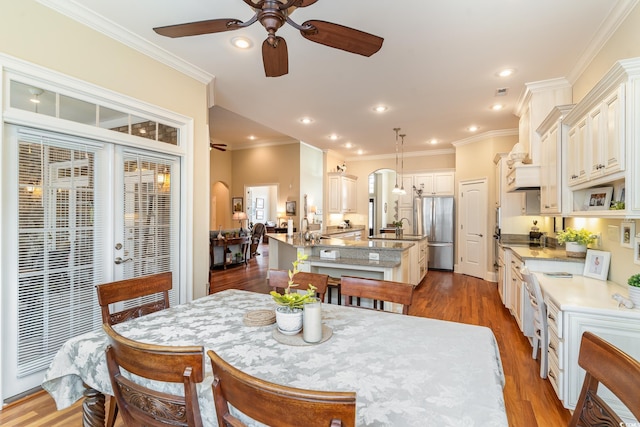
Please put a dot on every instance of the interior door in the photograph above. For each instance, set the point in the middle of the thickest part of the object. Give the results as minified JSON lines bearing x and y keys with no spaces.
{"x":472,"y":257}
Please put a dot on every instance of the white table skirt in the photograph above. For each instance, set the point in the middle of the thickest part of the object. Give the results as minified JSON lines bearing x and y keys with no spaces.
{"x":405,"y":370}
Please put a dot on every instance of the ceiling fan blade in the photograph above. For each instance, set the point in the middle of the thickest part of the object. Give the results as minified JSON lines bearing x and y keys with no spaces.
{"x":275,"y":58}
{"x":221,"y":147}
{"x":341,"y":37}
{"x":197,"y":28}
{"x":305,"y":3}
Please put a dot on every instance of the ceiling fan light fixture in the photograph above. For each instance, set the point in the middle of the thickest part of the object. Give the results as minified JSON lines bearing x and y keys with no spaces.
{"x":241,"y":42}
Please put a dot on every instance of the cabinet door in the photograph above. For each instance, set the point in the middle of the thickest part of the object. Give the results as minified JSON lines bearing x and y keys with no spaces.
{"x":335,"y":196}
{"x":550,"y":171}
{"x":595,"y":143}
{"x":424,"y":182}
{"x":349,"y":199}
{"x":613,"y":152}
{"x":406,"y":200}
{"x":576,"y":142}
{"x":443,"y":183}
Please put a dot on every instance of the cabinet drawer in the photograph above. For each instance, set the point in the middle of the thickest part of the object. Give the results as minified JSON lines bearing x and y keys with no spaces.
{"x":556,"y":377}
{"x":554,"y":317}
{"x":556,"y":349}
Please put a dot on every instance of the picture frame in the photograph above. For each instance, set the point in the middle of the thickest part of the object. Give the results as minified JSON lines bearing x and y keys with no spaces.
{"x":290,"y":208}
{"x":597,"y":264}
{"x":259,"y":214}
{"x":597,"y":199}
{"x":636,"y":249}
{"x":236,"y":204}
{"x":627,"y":233}
{"x":259,"y":203}
{"x":558,"y":224}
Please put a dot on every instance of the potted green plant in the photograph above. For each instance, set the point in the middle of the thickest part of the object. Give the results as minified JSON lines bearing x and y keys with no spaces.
{"x":290,"y":303}
{"x":398,"y":226}
{"x":634,"y":289}
{"x":576,"y":241}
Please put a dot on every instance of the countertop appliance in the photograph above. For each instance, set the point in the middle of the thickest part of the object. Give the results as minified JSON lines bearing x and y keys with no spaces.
{"x":433,"y":217}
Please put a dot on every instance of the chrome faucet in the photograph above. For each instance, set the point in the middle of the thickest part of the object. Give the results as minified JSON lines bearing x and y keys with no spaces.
{"x":404,"y":218}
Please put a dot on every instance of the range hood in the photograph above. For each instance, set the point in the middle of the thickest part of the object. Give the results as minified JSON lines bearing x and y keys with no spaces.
{"x":522,"y":177}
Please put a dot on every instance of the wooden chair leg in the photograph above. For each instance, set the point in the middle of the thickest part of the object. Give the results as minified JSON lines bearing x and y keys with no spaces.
{"x":113,"y":412}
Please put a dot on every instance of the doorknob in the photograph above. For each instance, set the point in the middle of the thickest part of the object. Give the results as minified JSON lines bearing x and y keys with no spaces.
{"x":119,"y":260}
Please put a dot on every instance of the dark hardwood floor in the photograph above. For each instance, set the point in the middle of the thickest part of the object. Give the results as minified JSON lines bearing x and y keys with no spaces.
{"x":530,"y":400}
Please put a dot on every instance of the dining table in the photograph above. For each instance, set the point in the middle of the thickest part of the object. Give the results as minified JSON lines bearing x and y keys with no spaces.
{"x":405,"y":370}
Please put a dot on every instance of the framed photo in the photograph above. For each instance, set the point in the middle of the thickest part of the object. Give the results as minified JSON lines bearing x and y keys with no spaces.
{"x":558,"y":224}
{"x":259,"y":203}
{"x":291,"y":208}
{"x":597,"y":199}
{"x":627,"y":233}
{"x":636,"y":249}
{"x":597,"y":264}
{"x":236,"y":204}
{"x":259,"y":214}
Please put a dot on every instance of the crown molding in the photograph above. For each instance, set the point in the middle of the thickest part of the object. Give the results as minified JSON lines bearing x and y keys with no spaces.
{"x":485,"y":136}
{"x":81,"y":14}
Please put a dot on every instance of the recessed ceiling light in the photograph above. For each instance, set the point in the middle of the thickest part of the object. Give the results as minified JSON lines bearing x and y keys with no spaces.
{"x":433,"y":141}
{"x":252,"y":137}
{"x":348,"y":145}
{"x":473,"y":128}
{"x":380,"y":108}
{"x":306,"y":120}
{"x":333,"y":137}
{"x":497,"y":107}
{"x":360,"y":152}
{"x":241,"y":42}
{"x":506,"y":72}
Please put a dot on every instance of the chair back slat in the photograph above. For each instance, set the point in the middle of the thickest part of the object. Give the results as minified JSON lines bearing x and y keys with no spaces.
{"x":274,"y":404}
{"x":607,"y":365}
{"x":129,"y":289}
{"x":279,"y":279}
{"x":140,"y":405}
{"x":377,"y":290}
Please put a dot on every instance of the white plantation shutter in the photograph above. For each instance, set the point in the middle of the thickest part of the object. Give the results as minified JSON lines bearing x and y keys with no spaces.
{"x":59,"y":245}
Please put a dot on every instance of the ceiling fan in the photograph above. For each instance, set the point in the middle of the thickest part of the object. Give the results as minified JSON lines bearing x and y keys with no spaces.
{"x":221,"y":147}
{"x":272,"y":14}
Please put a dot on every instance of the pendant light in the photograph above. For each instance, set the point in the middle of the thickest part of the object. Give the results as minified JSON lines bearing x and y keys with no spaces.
{"x":396,"y":189}
{"x":402,"y":190}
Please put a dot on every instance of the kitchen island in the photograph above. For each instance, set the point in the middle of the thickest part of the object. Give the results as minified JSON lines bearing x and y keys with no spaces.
{"x":387,"y":260}
{"x":418,"y":254}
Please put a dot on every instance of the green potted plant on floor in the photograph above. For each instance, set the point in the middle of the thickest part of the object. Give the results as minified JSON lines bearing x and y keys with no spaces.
{"x":634,"y":289}
{"x":576,"y":241}
{"x":290,"y":303}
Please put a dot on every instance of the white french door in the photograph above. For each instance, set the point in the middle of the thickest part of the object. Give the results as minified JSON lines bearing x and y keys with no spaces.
{"x":79,"y":213}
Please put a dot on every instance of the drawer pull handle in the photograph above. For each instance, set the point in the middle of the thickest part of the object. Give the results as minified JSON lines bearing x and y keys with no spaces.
{"x":552,"y":375}
{"x":550,"y":316}
{"x":553,"y":348}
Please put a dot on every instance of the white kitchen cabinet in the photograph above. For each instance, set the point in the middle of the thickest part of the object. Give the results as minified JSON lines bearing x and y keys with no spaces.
{"x":436,"y":183}
{"x":342,"y":193}
{"x":513,"y":203}
{"x":602,"y":143}
{"x":406,"y":200}
{"x":552,"y":133}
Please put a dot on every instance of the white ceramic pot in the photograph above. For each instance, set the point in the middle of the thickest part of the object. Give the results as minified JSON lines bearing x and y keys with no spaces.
{"x":634,"y":295}
{"x":575,"y":250}
{"x":289,"y":322}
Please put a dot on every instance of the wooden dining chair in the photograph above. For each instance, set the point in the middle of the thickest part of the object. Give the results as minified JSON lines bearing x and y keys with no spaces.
{"x":607,"y":365}
{"x":274,"y":404}
{"x":377,"y":290}
{"x":540,"y":328}
{"x":142,"y":406}
{"x":129,"y":289}
{"x":279,"y":279}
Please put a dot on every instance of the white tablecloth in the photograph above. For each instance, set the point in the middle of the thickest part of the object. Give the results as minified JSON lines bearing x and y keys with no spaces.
{"x":405,"y":370}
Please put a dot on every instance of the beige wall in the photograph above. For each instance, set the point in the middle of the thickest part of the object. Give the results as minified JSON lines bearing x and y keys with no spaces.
{"x":275,"y":164}
{"x":220,"y":183}
{"x":37,"y":34}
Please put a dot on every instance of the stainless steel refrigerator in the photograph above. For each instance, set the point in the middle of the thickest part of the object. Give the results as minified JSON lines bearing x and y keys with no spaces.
{"x":433,"y":217}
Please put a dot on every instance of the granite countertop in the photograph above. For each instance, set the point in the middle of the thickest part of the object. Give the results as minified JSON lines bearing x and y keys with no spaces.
{"x":297,"y":242}
{"x":525,"y":252}
{"x":392,"y":236}
{"x":334,"y":229}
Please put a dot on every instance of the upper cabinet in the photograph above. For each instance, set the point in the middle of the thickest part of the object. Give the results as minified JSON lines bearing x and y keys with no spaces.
{"x":342,"y":193}
{"x":601,"y":145}
{"x":552,"y":132}
{"x":436,"y":183}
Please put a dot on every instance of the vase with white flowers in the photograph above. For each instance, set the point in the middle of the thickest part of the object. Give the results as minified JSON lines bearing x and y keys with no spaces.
{"x":291,"y":303}
{"x":576,"y":241}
